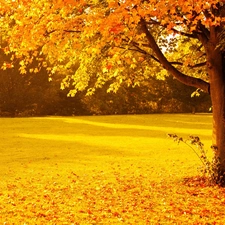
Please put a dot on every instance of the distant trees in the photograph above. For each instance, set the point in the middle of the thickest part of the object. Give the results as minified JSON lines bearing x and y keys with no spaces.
{"x":21,"y":93}
{"x":155,"y":96}
{"x":33,"y":95}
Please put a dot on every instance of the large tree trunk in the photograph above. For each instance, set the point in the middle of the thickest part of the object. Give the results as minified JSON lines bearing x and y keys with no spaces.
{"x":216,"y":73}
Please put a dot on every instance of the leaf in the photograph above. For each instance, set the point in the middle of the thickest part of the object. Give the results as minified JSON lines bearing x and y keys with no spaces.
{"x":133,"y":66}
{"x":104,"y":70}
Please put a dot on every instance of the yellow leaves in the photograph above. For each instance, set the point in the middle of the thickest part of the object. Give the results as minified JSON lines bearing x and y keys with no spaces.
{"x":95,"y":51}
{"x":22,"y":63}
{"x":35,"y":53}
{"x":63,"y":2}
{"x":119,"y":62}
{"x":116,"y":72}
{"x":165,"y":21}
{"x":48,"y":69}
{"x":23,"y":70}
{"x":36,"y":70}
{"x":114,"y":87}
{"x":7,"y":50}
{"x":140,"y":36}
{"x":71,"y":31}
{"x":54,"y":69}
{"x":4,"y":67}
{"x":7,"y":65}
{"x":133,"y":66}
{"x":105,"y":70}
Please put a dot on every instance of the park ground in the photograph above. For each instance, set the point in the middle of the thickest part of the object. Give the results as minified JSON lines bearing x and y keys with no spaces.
{"x":105,"y":170}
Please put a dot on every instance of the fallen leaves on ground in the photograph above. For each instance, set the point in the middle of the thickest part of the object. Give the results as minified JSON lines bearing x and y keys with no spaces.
{"x":117,"y":197}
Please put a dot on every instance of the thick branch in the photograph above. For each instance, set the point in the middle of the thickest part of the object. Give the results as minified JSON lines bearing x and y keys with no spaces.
{"x":138,"y":49}
{"x":190,"y":81}
{"x":136,"y":45}
{"x":190,"y":66}
{"x":204,"y":34}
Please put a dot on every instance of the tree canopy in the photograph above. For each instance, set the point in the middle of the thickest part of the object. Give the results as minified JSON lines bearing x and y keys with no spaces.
{"x":124,"y":40}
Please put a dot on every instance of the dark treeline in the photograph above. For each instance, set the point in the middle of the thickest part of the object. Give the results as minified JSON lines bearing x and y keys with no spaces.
{"x":32,"y":94}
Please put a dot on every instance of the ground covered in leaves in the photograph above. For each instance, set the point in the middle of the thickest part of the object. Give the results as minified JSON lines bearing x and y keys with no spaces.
{"x":122,"y":197}
{"x":152,"y":185}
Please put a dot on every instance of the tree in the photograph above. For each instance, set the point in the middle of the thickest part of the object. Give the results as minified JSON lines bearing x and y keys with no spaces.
{"x":153,"y":96}
{"x":107,"y":33}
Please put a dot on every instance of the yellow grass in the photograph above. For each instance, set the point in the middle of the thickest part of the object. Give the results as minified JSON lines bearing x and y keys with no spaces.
{"x":104,"y":170}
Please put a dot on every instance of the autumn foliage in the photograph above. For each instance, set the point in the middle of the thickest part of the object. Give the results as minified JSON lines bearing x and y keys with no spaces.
{"x":107,"y":35}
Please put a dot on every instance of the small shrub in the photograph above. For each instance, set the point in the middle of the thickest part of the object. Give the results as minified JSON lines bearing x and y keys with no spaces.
{"x":209,"y":168}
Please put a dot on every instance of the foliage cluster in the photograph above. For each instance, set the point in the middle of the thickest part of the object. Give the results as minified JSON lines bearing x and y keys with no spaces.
{"x":33,"y":95}
{"x":118,"y":38}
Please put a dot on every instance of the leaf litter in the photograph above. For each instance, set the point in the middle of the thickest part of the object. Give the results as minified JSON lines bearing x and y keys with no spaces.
{"x":120,"y":196}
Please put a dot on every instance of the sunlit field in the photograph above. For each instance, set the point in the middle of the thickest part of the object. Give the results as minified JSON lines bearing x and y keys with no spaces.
{"x":105,"y":170}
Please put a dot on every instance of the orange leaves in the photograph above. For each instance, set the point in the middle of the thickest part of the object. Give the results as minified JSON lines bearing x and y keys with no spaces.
{"x":123,"y":195}
{"x":64,"y":2}
{"x":116,"y":29}
{"x":7,"y":65}
{"x":109,"y":66}
{"x":70,"y":32}
{"x":112,"y":4}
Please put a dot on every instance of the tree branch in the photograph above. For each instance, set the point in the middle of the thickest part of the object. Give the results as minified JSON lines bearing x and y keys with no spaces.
{"x":188,"y":80}
{"x":190,"y":66}
{"x":136,"y":45}
{"x":174,"y":30}
{"x":204,"y":33}
{"x":138,"y":49}
{"x":72,"y":31}
{"x":47,"y":33}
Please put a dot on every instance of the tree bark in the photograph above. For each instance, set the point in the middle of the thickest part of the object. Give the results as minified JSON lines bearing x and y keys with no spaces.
{"x":215,"y":68}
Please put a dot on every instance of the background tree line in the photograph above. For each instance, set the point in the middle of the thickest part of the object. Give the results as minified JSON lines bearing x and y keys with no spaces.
{"x":32,"y":94}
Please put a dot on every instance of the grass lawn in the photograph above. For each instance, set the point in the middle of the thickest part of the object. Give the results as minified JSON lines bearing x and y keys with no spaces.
{"x":105,"y":170}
